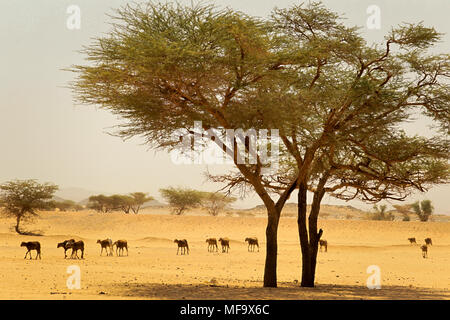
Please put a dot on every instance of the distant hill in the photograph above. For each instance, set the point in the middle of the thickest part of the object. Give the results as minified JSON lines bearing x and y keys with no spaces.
{"x":75,"y":194}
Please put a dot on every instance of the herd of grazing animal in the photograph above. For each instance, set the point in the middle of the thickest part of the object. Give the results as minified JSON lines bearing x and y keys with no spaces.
{"x":182,"y":246}
{"x":78,"y":246}
{"x":424,"y":247}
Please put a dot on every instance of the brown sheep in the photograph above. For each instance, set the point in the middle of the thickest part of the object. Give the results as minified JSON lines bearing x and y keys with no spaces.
{"x":323,"y":243}
{"x":32,"y":245}
{"x":412,"y":240}
{"x":120,"y":245}
{"x":428,"y":241}
{"x":64,"y":245}
{"x":212,"y":242}
{"x":225,"y":243}
{"x":183,"y":244}
{"x":424,"y":251}
{"x":75,"y":246}
{"x":252,"y":242}
{"x":107,"y":243}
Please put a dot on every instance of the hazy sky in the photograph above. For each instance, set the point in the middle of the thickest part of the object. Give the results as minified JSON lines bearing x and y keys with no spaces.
{"x":46,"y":136}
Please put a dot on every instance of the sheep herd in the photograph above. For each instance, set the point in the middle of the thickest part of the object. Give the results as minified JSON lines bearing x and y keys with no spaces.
{"x":122,"y":245}
{"x":78,"y":246}
{"x":182,"y":246}
{"x":424,"y":247}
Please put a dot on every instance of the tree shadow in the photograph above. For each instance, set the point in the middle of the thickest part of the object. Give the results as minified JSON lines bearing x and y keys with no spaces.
{"x":34,"y":233}
{"x":285,"y":291}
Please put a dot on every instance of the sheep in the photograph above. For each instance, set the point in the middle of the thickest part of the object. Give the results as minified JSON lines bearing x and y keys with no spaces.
{"x":107,"y":243}
{"x":252,"y":242}
{"x":183,"y":244}
{"x":75,"y":246}
{"x":32,"y":245}
{"x":120,"y":245}
{"x":428,"y":241}
{"x":424,"y":251}
{"x":412,"y":240}
{"x":64,"y":245}
{"x":212,"y":242}
{"x":225,"y":243}
{"x":323,"y":243}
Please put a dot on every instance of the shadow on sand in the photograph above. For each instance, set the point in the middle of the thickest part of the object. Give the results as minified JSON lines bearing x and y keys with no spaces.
{"x":283,"y":292}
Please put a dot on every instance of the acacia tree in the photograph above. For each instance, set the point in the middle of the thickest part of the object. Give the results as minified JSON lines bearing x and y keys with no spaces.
{"x":22,"y":198}
{"x":215,"y":202}
{"x":66,"y":205}
{"x":423,"y":209}
{"x":182,"y":199}
{"x":100,"y":203}
{"x":380,"y":213}
{"x":138,"y":199}
{"x":164,"y":66}
{"x":351,"y":100}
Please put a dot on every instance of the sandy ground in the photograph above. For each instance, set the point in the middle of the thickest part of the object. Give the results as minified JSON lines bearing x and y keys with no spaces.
{"x":154,"y":271}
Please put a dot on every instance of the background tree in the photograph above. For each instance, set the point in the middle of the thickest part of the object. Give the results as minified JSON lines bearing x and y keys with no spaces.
{"x":120,"y":202}
{"x":139,"y":198}
{"x":100,"y":203}
{"x":66,"y":205}
{"x":423,"y":209}
{"x":380,"y":213}
{"x":182,"y":199}
{"x":405,"y":210}
{"x":22,"y":198}
{"x":215,"y":202}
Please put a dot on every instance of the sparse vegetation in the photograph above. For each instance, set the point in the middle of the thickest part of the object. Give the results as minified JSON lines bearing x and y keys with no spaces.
{"x":139,"y":198}
{"x":216,"y":202}
{"x":126,"y":203}
{"x":423,"y":209}
{"x":182,"y":199}
{"x":22,"y":198}
{"x":66,"y":205}
{"x":404,"y":210}
{"x":380,"y":213}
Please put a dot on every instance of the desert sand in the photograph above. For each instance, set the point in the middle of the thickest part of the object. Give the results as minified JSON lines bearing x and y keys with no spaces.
{"x":153,"y":270}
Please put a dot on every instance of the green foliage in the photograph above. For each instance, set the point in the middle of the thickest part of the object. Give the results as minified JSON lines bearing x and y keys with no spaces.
{"x":423,"y":209}
{"x":100,"y":203}
{"x":126,"y":203}
{"x":380,"y":213}
{"x":182,"y":199}
{"x":22,"y":198}
{"x":138,"y":199}
{"x":216,"y":202}
{"x":66,"y":205}
{"x":405,"y":210}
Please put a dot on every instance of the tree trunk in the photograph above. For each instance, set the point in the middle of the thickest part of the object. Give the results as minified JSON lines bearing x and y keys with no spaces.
{"x":309,"y":237}
{"x":270,"y":269}
{"x":17,"y":224}
{"x":307,"y":272}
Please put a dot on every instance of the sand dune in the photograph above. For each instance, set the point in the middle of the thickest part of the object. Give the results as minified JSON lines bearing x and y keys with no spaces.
{"x":154,"y":271}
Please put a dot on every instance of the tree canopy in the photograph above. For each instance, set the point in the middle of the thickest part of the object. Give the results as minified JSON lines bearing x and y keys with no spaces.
{"x":182,"y":199}
{"x":22,"y":199}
